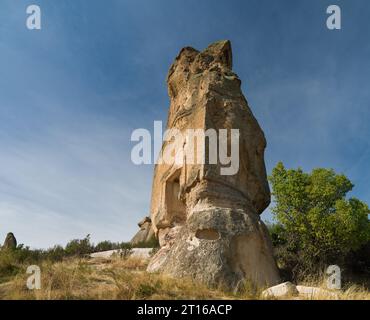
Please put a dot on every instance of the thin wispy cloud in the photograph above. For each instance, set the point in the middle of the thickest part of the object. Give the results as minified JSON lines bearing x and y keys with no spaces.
{"x":71,"y":94}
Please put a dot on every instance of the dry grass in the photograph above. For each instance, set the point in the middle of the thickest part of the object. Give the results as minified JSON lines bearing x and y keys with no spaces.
{"x":123,"y":279}
{"x":348,"y":292}
{"x":126,"y":279}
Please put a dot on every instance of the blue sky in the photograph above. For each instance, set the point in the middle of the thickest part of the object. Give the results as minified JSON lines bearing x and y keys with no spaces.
{"x":71,"y":94}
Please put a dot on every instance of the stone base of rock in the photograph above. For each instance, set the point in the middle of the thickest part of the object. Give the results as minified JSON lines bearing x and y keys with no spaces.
{"x":219,"y":246}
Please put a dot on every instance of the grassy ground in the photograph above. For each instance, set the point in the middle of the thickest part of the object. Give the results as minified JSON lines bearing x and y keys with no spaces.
{"x":105,"y":279}
{"x":122,"y":279}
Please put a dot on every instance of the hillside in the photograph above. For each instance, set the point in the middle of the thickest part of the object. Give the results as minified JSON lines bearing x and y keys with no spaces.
{"x":124,"y":279}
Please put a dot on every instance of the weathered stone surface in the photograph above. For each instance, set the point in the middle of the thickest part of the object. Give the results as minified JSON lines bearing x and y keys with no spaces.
{"x":142,"y":253}
{"x":146,"y":232}
{"x":10,"y":241}
{"x":281,"y":290}
{"x":288,"y":290}
{"x":208,"y":224}
{"x":316,"y":293}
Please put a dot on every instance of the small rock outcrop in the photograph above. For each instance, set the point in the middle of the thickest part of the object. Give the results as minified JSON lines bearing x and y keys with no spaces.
{"x":10,"y":242}
{"x":281,"y":290}
{"x":288,"y":290}
{"x":208,"y":223}
{"x":146,"y":232}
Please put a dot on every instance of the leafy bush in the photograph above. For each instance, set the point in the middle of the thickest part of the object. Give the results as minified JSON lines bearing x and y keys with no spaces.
{"x":79,"y":247}
{"x":152,"y":243}
{"x":107,"y":245}
{"x":8,"y":266}
{"x":316,"y":224}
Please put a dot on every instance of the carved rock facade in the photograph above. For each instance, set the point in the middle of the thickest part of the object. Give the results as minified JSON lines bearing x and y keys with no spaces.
{"x":208,"y":224}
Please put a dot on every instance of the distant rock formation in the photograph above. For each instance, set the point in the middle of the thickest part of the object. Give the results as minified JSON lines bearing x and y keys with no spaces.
{"x":146,"y":232}
{"x":208,"y":224}
{"x":10,"y":242}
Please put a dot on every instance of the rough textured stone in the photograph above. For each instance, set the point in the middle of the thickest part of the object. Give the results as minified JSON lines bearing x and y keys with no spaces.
{"x":10,"y":241}
{"x":316,"y":293}
{"x":146,"y":232}
{"x":288,"y":289}
{"x":208,"y":224}
{"x":142,"y":253}
{"x":281,"y":290}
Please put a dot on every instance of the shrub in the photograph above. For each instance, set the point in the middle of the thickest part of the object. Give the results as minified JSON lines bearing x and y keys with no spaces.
{"x":316,"y":224}
{"x":79,"y":247}
{"x":152,"y":243}
{"x":13,"y":261}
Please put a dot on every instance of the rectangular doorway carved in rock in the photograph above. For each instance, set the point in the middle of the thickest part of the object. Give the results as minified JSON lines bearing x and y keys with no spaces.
{"x":176,"y":208}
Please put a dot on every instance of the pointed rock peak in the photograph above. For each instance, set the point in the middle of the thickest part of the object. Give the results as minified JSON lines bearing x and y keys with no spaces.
{"x":192,"y":62}
{"x":221,"y":51}
{"x":10,"y":241}
{"x":144,"y":220}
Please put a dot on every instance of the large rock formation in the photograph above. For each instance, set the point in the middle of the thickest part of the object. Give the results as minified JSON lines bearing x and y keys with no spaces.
{"x":10,"y":241}
{"x":208,"y":223}
{"x":146,"y":232}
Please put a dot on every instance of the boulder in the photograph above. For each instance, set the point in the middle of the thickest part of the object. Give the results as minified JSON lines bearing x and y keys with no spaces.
{"x":288,"y":289}
{"x":316,"y":293}
{"x":208,"y":220}
{"x":10,"y":241}
{"x":142,"y":253}
{"x":281,"y":290}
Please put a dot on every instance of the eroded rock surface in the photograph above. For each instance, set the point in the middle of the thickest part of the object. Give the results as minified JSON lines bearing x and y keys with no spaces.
{"x":10,"y":241}
{"x":146,"y":232}
{"x":208,"y":223}
{"x":281,"y":290}
{"x":288,"y":290}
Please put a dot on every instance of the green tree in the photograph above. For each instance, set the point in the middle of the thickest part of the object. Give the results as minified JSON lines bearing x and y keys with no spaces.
{"x":317,"y":223}
{"x":79,"y":247}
